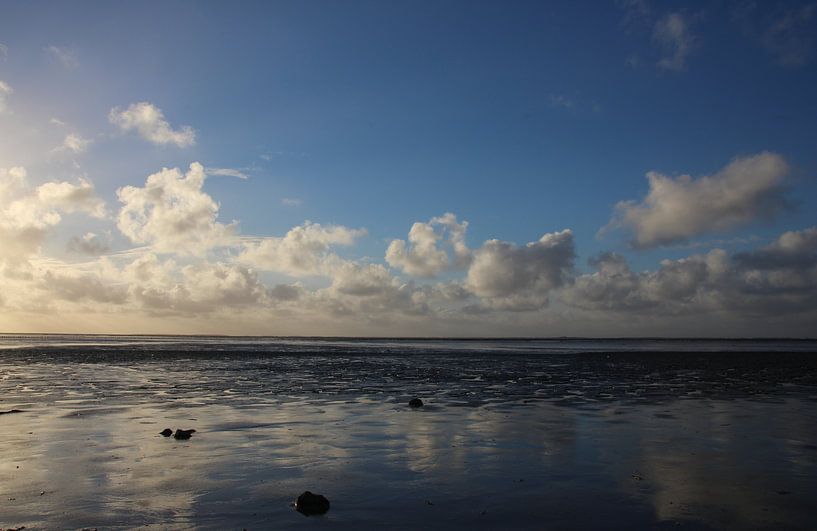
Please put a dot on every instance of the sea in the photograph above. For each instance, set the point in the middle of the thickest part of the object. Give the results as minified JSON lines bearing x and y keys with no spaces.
{"x":557,"y":433}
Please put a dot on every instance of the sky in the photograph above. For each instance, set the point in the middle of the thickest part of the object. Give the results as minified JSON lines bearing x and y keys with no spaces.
{"x":621,"y":168}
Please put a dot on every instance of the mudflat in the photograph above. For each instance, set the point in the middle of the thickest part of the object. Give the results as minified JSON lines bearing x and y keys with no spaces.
{"x":511,"y":434}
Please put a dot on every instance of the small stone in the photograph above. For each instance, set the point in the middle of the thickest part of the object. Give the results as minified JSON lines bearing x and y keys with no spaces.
{"x":183,"y":435}
{"x":167,"y":432}
{"x":308,"y":503}
{"x":415,"y":402}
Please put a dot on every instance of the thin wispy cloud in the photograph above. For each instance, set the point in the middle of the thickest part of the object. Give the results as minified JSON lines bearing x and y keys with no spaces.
{"x":790,"y":37}
{"x":65,"y":56}
{"x":673,"y":35}
{"x":291,"y":201}
{"x":73,"y":143}
{"x":5,"y":92}
{"x":4,"y":51}
{"x":227,"y":172}
{"x":560,"y":100}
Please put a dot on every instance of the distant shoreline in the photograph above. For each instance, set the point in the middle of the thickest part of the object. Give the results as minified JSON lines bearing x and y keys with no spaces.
{"x":420,"y":338}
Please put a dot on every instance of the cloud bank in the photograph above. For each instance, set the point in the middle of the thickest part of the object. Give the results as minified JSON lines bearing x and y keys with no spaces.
{"x":191,"y":268}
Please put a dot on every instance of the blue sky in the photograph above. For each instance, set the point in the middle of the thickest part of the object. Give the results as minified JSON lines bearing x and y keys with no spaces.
{"x":523,"y":119}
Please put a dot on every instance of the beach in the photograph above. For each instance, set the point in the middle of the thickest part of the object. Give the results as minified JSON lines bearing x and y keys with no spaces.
{"x":512,"y":434}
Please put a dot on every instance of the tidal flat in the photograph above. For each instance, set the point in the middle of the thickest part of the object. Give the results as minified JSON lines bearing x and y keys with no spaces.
{"x":512,"y":434}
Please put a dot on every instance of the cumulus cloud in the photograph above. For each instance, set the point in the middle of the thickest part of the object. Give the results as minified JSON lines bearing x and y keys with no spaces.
{"x":26,"y":215}
{"x":780,"y":278}
{"x":673,"y":34}
{"x":793,"y":249}
{"x":5,"y":92}
{"x":68,"y":197}
{"x":368,"y":291}
{"x":303,"y":251}
{"x":172,"y":213}
{"x":511,"y":277}
{"x":673,"y":287}
{"x":677,"y":209}
{"x":149,"y":122}
{"x":423,"y":256}
{"x":66,"y":57}
{"x":78,"y":287}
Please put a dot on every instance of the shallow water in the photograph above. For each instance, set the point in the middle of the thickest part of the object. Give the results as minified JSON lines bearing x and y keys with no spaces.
{"x":512,"y":436}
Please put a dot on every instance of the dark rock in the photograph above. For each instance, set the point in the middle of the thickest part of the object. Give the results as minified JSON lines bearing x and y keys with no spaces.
{"x":183,"y":435}
{"x":167,"y":432}
{"x":308,"y":503}
{"x":10,"y":411}
{"x":415,"y":402}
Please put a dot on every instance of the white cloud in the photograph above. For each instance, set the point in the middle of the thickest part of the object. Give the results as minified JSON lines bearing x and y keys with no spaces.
{"x":291,"y":201}
{"x":27,"y":215}
{"x":422,"y":256}
{"x":66,"y":57}
{"x":4,"y":51}
{"x":172,"y":213}
{"x":74,"y":143}
{"x":149,"y":122}
{"x":368,"y":292}
{"x":227,"y":172}
{"x":80,"y":197}
{"x":511,"y":277}
{"x":672,"y":33}
{"x":303,"y":251}
{"x":11,"y":181}
{"x":167,"y":287}
{"x":5,"y":92}
{"x":677,"y":209}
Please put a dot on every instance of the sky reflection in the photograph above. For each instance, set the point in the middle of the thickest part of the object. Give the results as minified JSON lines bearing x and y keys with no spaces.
{"x":93,"y":448}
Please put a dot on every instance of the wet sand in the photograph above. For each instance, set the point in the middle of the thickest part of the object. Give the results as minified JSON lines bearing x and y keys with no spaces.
{"x":570,"y":441}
